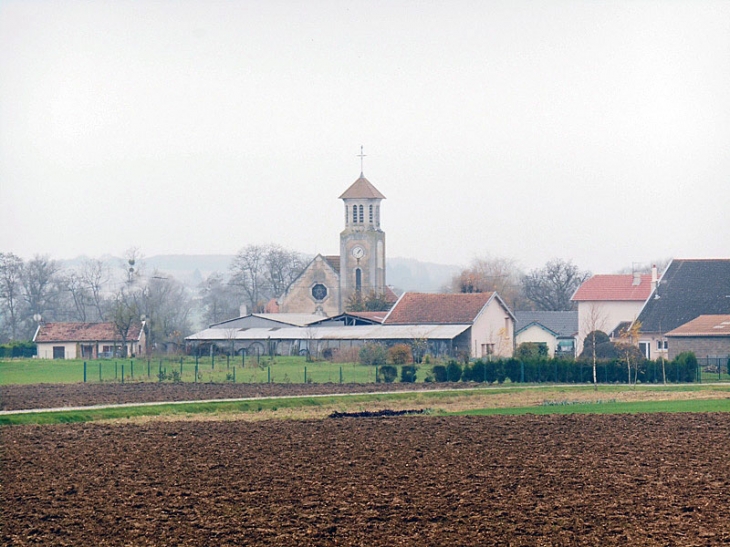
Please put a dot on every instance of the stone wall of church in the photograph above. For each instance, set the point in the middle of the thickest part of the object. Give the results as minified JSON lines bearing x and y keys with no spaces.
{"x":299,"y":299}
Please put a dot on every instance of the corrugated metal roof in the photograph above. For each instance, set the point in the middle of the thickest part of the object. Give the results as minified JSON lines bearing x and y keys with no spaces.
{"x":364,"y":332}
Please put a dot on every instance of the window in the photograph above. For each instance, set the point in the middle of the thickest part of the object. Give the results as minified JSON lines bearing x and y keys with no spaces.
{"x":645,"y":349}
{"x":377,"y":215}
{"x":487,"y":349}
{"x":358,"y":278}
{"x":354,"y":214}
{"x":319,"y":292}
{"x":661,"y":345}
{"x":371,"y":214}
{"x":347,"y":214}
{"x":362,"y":217}
{"x":59,"y":352}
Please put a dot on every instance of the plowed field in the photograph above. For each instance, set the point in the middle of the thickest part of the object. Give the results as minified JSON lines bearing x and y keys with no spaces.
{"x":21,"y":397}
{"x":418,"y":480}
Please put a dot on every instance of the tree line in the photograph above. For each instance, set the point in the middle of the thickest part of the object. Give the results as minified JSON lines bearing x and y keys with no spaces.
{"x":97,"y":291}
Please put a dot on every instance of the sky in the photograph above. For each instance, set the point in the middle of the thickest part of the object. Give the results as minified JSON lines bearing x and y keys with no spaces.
{"x":592,"y":131}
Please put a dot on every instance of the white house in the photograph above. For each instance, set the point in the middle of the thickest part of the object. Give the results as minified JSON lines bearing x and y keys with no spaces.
{"x":86,"y":340}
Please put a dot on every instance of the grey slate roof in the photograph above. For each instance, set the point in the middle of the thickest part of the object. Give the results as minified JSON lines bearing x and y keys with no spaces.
{"x":688,"y":289}
{"x":562,"y":323}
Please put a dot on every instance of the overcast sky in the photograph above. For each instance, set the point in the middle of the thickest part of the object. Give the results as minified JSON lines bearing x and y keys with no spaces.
{"x":592,"y":131}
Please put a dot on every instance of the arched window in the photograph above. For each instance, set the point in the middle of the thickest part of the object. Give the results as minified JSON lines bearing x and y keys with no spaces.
{"x":347,"y":214}
{"x":362,"y":216}
{"x":377,"y":215}
{"x":354,"y":214}
{"x":371,"y":214}
{"x":358,"y":278}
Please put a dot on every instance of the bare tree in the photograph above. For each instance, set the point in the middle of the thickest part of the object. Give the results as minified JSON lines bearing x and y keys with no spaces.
{"x":75,"y":286}
{"x":124,"y":314}
{"x":488,"y":274}
{"x":166,"y":305}
{"x":95,"y":277}
{"x":627,"y":347}
{"x":41,"y":288}
{"x":594,"y":321}
{"x":551,"y":287}
{"x":282,"y":266}
{"x":248,"y":275}
{"x":262,"y":272}
{"x":11,"y":275}
{"x":218,"y":299}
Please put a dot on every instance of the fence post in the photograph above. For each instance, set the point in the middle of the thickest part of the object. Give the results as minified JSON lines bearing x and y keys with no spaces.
{"x":99,"y":371}
{"x":181,"y":368}
{"x":196,"y":370}
{"x":305,"y":375}
{"x":234,"y":374}
{"x":148,"y":368}
{"x":122,"y":372}
{"x":84,"y":371}
{"x":340,"y":373}
{"x":268,"y":373}
{"x":131,"y":369}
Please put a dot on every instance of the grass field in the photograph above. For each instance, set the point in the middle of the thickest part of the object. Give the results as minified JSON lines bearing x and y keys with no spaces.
{"x":276,"y":370}
{"x":221,"y":369}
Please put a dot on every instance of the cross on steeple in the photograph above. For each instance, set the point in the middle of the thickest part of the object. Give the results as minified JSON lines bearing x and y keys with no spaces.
{"x":361,"y":155}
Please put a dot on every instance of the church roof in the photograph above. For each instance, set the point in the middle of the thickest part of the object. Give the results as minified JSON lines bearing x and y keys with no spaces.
{"x":334,"y":262}
{"x":362,"y":188}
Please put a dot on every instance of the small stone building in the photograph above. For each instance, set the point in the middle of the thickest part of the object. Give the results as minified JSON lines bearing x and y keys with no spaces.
{"x":705,"y":336}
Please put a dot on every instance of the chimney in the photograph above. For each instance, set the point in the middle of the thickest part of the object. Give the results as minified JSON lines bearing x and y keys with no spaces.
{"x":243,"y":310}
{"x":637,"y":278}
{"x":654,"y":277}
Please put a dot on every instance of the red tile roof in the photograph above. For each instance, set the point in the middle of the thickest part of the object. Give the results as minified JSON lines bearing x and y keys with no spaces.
{"x":704,"y":325}
{"x":83,"y":332}
{"x":362,"y":189}
{"x":614,"y":288}
{"x":438,"y":308}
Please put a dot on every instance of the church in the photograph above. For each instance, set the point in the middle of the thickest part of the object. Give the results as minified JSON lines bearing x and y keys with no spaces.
{"x":330,"y":282}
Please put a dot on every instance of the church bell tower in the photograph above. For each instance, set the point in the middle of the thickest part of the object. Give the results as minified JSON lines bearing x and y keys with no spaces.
{"x":362,"y":243}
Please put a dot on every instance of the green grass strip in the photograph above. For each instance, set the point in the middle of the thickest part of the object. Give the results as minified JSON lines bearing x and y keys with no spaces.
{"x":692,"y":405}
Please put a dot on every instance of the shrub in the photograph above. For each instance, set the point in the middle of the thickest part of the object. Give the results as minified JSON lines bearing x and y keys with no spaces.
{"x":408,"y":373}
{"x":532,"y":350}
{"x":388,"y":373}
{"x":373,"y":354}
{"x":453,"y":371}
{"x":400,"y":354}
{"x":439,"y":373}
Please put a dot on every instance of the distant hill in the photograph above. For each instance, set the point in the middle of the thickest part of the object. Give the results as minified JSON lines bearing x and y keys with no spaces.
{"x":405,"y":274}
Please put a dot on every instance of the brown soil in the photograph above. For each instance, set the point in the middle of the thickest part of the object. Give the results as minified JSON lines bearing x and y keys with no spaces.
{"x":20,"y":397}
{"x":537,"y":480}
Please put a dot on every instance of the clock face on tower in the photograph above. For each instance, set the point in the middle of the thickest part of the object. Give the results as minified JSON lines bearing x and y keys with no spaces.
{"x":358,"y":252}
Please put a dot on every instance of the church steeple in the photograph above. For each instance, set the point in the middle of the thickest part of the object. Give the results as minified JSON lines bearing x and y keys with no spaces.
{"x":362,"y":242}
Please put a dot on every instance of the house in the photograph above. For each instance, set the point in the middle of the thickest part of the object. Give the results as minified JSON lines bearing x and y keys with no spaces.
{"x":706,"y":336}
{"x":605,"y":301}
{"x":488,"y":321}
{"x":558,"y":330}
{"x":87,"y":340}
{"x":688,"y":289}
